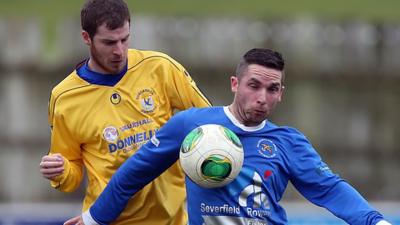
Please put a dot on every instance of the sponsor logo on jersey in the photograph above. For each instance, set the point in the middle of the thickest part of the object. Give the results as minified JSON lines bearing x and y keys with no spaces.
{"x":266,"y":148}
{"x":131,"y":142}
{"x":223,"y":209}
{"x":146,"y":99}
{"x":110,"y":134}
{"x":254,"y":206}
{"x":115,"y":98}
{"x":323,"y":170}
{"x":155,"y":141}
{"x":135,"y":124}
{"x":212,"y":220}
{"x":253,"y":199}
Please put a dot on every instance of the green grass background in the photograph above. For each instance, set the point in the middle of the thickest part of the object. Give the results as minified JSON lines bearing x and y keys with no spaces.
{"x":376,"y":10}
{"x":51,"y":12}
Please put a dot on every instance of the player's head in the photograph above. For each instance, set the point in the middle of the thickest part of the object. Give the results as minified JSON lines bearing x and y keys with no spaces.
{"x":258,"y":85}
{"x":113,"y":13}
{"x":106,"y":30}
{"x":263,"y":57}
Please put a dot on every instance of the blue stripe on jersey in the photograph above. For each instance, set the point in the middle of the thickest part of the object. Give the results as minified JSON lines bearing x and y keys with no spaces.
{"x":93,"y":77}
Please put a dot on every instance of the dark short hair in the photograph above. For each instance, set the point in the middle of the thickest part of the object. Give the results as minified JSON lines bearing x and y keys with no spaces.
{"x":263,"y":57}
{"x":94,"y":13}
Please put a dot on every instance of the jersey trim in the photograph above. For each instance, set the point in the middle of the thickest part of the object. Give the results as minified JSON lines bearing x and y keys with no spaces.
{"x":154,"y":56}
{"x":56,"y":97}
{"x":94,"y":77}
{"x":200,"y":93}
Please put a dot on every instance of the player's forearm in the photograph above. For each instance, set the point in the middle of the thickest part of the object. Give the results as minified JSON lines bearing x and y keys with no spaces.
{"x":71,"y":178}
{"x":346,"y":203}
{"x":139,"y":170}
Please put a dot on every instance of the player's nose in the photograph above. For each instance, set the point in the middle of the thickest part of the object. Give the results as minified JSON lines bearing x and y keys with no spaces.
{"x":118,"y":48}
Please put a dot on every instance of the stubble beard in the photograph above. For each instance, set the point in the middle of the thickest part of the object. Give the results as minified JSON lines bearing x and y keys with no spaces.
{"x":96,"y":60}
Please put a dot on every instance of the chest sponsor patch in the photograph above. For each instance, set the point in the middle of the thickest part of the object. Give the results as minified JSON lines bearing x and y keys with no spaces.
{"x":110,"y":134}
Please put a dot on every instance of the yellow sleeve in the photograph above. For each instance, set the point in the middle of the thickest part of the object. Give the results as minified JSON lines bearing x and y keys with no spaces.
{"x":183,"y":91}
{"x":63,"y":142}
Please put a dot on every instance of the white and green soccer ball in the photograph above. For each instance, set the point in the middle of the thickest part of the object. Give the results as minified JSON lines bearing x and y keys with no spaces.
{"x":211,"y":155}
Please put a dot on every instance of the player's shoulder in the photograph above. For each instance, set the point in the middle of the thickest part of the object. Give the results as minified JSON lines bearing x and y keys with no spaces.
{"x":69,"y":83}
{"x":201,"y":114}
{"x":288,"y":133}
{"x":290,"y":130}
{"x":146,"y":53}
{"x":202,"y":110}
{"x":137,"y":57}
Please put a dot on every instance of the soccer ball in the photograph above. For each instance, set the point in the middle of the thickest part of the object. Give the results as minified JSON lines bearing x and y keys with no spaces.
{"x":211,"y":155}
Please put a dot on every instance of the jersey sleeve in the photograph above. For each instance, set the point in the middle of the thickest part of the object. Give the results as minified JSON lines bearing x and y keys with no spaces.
{"x":63,"y":142}
{"x":150,"y":161}
{"x":182,"y":90}
{"x":315,"y":181}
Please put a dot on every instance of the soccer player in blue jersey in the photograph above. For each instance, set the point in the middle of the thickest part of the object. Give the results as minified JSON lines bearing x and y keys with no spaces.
{"x":108,"y":107}
{"x":273,"y":156}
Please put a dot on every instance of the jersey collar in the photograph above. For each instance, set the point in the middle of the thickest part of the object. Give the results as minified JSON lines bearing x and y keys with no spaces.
{"x":93,"y":77}
{"x":241,"y":126}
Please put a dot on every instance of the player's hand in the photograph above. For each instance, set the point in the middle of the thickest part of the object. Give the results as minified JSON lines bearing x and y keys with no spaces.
{"x":75,"y":221}
{"x":51,"y":166}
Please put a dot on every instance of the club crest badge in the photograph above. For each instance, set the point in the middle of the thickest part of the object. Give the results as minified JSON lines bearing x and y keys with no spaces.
{"x":266,"y":148}
{"x":146,"y":98}
{"x":110,"y":134}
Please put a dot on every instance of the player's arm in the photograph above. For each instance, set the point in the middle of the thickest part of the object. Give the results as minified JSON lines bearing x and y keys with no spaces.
{"x":182,"y":90}
{"x":317,"y":183}
{"x":63,"y":165}
{"x":150,"y":161}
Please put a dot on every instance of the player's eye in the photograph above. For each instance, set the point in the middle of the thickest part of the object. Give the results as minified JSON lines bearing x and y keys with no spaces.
{"x":273,"y":89}
{"x":109,"y":43}
{"x":253,"y":85}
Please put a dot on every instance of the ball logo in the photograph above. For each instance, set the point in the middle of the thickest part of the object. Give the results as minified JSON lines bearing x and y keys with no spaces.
{"x":216,"y":167}
{"x":146,"y":99}
{"x":232,"y":136}
{"x":266,"y":148}
{"x":115,"y":98}
{"x":110,"y":134}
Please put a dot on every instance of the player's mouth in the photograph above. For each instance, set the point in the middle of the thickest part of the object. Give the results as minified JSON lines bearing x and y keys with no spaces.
{"x":118,"y":61}
{"x":260,"y":112}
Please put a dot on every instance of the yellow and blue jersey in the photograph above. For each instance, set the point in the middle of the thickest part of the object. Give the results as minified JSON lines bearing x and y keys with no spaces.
{"x":98,"y":121}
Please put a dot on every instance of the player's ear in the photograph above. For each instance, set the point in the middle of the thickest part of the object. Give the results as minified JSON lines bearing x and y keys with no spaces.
{"x":234,"y":83}
{"x":281,"y":94}
{"x":86,"y":38}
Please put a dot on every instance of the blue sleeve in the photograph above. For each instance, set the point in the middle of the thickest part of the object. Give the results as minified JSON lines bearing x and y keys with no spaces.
{"x":315,"y":181}
{"x":150,"y":161}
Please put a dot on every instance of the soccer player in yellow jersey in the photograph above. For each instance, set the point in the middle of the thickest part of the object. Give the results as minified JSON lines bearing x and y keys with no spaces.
{"x":108,"y":107}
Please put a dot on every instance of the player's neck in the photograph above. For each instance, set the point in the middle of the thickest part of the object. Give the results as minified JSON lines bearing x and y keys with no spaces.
{"x":233,"y":109}
{"x":240,"y":116}
{"x":94,"y":66}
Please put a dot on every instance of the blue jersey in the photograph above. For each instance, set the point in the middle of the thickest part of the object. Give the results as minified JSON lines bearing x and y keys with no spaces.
{"x":273,"y":156}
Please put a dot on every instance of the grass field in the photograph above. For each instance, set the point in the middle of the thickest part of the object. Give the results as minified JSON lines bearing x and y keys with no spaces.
{"x":384,"y":10}
{"x":50,"y":12}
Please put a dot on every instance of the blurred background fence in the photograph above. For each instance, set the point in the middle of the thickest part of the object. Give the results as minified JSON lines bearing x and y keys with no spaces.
{"x":342,"y":84}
